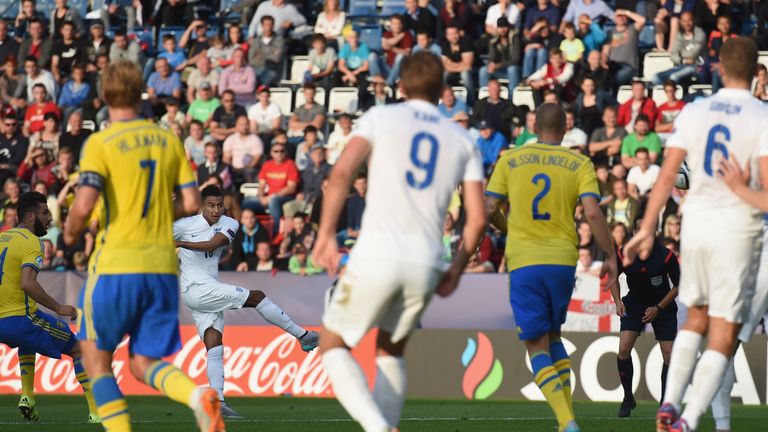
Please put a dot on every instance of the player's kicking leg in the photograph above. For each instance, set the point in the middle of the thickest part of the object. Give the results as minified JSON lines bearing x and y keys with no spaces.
{"x":275,"y":316}
{"x":627,"y":340}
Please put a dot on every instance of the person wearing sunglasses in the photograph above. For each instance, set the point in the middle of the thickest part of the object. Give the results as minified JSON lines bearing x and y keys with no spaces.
{"x":278,"y":183}
{"x":13,"y":144}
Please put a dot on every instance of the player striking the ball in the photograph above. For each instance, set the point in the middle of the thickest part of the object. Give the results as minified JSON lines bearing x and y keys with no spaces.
{"x":720,"y":235}
{"x":21,"y":323}
{"x":543,"y":183}
{"x":132,"y":285}
{"x":417,"y":157}
{"x":202,"y":238}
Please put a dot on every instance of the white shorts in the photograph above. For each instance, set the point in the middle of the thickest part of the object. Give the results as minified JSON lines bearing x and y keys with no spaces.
{"x":207,"y":302}
{"x":387,"y":294}
{"x":759,"y":302}
{"x":718,"y":269}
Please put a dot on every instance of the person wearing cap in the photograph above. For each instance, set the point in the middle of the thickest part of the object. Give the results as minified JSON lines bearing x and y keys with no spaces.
{"x":505,"y":56}
{"x":202,"y":72}
{"x":203,"y":107}
{"x":267,"y":52}
{"x":353,"y":63}
{"x":265,"y":116}
{"x":98,"y":43}
{"x":13,"y":144}
{"x":377,"y":97}
{"x":491,"y":142}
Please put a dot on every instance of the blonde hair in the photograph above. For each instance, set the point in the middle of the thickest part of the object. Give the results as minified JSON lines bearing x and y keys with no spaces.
{"x":667,"y":223}
{"x":122,"y":84}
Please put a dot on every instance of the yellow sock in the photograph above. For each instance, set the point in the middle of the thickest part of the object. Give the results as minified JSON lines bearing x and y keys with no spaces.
{"x":563,"y":368}
{"x":548,"y":380}
{"x":85,"y":383}
{"x":111,"y":405}
{"x":27,"y":372}
{"x":171,"y":381}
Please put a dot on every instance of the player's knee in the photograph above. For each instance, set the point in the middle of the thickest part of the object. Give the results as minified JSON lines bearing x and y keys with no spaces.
{"x":254,"y":298}
{"x":625,"y":350}
{"x":139,"y":366}
{"x":386,"y":348}
{"x":329,"y":341}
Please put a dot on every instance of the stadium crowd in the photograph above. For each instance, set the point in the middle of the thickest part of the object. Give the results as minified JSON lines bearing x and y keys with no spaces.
{"x":211,"y":81}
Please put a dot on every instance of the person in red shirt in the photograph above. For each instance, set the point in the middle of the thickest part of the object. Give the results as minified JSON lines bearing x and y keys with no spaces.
{"x":278,"y":184}
{"x":669,"y":110}
{"x":640,"y":103}
{"x":34,"y":117}
{"x":396,"y":43}
{"x":38,"y":167}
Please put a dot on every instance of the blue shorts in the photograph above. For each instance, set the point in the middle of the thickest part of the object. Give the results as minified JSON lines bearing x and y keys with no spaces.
{"x":143,"y":306}
{"x":540,"y":295}
{"x":39,"y":332}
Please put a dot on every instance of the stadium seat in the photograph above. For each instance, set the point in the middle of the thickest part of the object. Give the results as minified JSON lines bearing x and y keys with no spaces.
{"x":283,"y":97}
{"x":762,"y":57}
{"x":483,"y":93}
{"x":659,"y":97}
{"x":249,"y":190}
{"x":460,"y":92}
{"x":89,"y":125}
{"x":523,"y":95}
{"x":646,"y":38}
{"x":391,"y":7}
{"x":704,"y":89}
{"x":371,"y":36}
{"x":81,"y":6}
{"x":362,"y":8}
{"x":298,"y":68}
{"x":9,"y":9}
{"x":655,"y":62}
{"x":343,"y":99}
{"x":624,"y":94}
{"x":319,"y":96}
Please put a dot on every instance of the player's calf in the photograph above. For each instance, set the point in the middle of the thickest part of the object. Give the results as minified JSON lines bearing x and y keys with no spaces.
{"x":275,"y":315}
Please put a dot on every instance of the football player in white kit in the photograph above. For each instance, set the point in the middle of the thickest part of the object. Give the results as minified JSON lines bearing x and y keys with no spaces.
{"x":201,"y":240}
{"x":720,"y":235}
{"x":416,"y":159}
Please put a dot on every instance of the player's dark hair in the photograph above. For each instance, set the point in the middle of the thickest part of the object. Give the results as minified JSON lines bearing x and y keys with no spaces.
{"x":550,"y":118}
{"x":30,"y":202}
{"x":211,"y":191}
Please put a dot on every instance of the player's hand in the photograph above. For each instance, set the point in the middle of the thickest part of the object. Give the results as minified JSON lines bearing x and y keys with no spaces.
{"x":67,"y":311}
{"x":448,"y":283}
{"x":650,"y":314}
{"x":326,"y":254}
{"x":641,"y":243}
{"x":620,"y":310}
{"x":242,"y":267}
{"x":611,"y":271}
{"x":731,"y":173}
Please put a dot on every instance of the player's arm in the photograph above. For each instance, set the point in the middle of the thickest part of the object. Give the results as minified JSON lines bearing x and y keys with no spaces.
{"x":187,"y":203}
{"x":80,"y":212}
{"x":496,"y":216}
{"x":217,"y":241}
{"x":602,"y":234}
{"x":737,"y":180}
{"x":32,"y":288}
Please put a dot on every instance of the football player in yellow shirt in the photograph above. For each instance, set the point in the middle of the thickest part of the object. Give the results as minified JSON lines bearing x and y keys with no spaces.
{"x":132,"y":286}
{"x":22,"y":325}
{"x":543,"y":183}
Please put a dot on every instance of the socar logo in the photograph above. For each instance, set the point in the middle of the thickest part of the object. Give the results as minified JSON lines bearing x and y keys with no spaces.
{"x":484,"y":372}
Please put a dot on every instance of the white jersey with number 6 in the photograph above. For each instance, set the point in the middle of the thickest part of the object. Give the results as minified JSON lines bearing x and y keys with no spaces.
{"x":418,"y":158}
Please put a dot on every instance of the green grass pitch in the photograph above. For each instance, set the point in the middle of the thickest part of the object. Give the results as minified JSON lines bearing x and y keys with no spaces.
{"x":155,"y":414}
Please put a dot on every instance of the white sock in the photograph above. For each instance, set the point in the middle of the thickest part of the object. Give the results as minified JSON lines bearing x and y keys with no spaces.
{"x":706,"y":382}
{"x":389,"y":390}
{"x":216,"y":369}
{"x":721,"y":404}
{"x":351,"y":389}
{"x":274,"y":315}
{"x":681,"y":364}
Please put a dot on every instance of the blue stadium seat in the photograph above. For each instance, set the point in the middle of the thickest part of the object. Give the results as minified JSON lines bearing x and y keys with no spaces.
{"x":371,"y":35}
{"x":391,"y":7}
{"x":45,"y":6}
{"x":9,"y":9}
{"x":646,"y":38}
{"x":81,"y":6}
{"x":362,"y":8}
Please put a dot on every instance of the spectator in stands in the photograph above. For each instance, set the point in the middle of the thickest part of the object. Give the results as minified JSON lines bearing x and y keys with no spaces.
{"x":163,"y":84}
{"x":37,"y":166}
{"x":330,"y":22}
{"x":353,"y":60}
{"x":27,"y":12}
{"x":121,"y":9}
{"x":377,"y":97}
{"x":11,"y":193}
{"x":595,"y":69}
{"x":301,"y":263}
{"x":10,"y":79}
{"x":424,"y":42}
{"x":640,"y":103}
{"x":418,"y":19}
{"x":75,"y":92}
{"x":458,"y":59}
{"x":124,"y":48}
{"x":224,"y":117}
{"x":176,"y":57}
{"x":671,"y":228}
{"x":267,"y":52}
{"x":196,"y":47}
{"x":620,"y":54}
{"x":502,"y":9}
{"x":339,"y":138}
{"x":48,"y":137}
{"x":594,"y":9}
{"x":202,"y":73}
{"x":204,"y":106}
{"x":491,"y":142}
{"x":643,"y":175}
{"x":42,"y":105}
{"x":303,"y":150}
{"x":354,"y":208}
{"x":214,"y":167}
{"x":66,"y":52}
{"x":240,"y":78}
{"x":669,"y":110}
{"x":500,"y":113}
{"x":98,"y":44}
{"x":264,"y":261}
{"x":686,"y":51}
{"x":243,"y":151}
{"x":60,"y":15}
{"x":34,"y":76}
{"x":623,"y":209}
{"x":760,"y":83}
{"x":310,"y":113}
{"x":543,"y":9}
{"x":456,"y":13}
{"x":556,"y":75}
{"x":312,"y":178}
{"x":244,"y":245}
{"x":574,"y":138}
{"x":265,"y":116}
{"x":643,"y":137}
{"x":450,"y":105}
{"x":36,"y":45}
{"x":572,"y":47}
{"x":13,"y":146}
{"x":539,"y":42}
{"x":10,"y":218}
{"x":287,"y":17}
{"x":716,"y":40}
{"x":64,"y":170}
{"x":505,"y":55}
{"x":591,"y":33}
{"x":295,"y":236}
{"x":396,"y":44}
{"x":173,"y":114}
{"x":322,"y":62}
{"x":605,"y":145}
{"x":278,"y":184}
{"x":589,"y":106}
{"x":586,"y":263}
{"x":667,"y":20}
{"x":74,"y":136}
{"x":8,"y":45}
{"x":196,"y":142}
{"x":527,"y":134}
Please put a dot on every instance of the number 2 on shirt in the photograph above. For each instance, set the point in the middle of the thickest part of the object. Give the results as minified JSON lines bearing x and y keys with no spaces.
{"x":428,"y":166}
{"x":713,"y":144}
{"x":150,"y":164}
{"x":539,"y":178}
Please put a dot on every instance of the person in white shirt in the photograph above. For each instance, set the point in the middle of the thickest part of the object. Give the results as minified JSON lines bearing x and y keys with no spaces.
{"x":201,"y":240}
{"x":286,"y":17}
{"x":721,"y":231}
{"x":574,"y":138}
{"x":265,"y":116}
{"x":243,"y":150}
{"x":406,"y":146}
{"x":502,"y":8}
{"x":338,"y":139}
{"x":642,"y":176}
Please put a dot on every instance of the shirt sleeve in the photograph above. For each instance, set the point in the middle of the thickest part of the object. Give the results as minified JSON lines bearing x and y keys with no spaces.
{"x":497,"y":185}
{"x":93,"y":164}
{"x":588,"y":181}
{"x":178,"y":229}
{"x":673,"y":267}
{"x":474,"y":169}
{"x":230,"y":228}
{"x":33,"y":254}
{"x":365,"y":127}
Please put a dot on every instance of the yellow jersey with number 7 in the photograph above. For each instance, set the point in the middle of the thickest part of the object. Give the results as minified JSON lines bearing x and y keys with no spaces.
{"x":543,"y":184}
{"x":137,"y":166}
